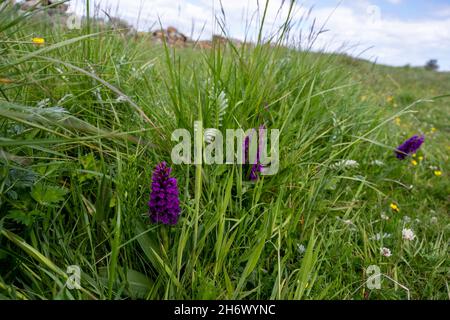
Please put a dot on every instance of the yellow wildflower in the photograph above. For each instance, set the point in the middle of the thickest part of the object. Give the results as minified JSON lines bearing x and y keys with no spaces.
{"x":414,"y":162}
{"x":397,"y":121}
{"x":433,"y":130}
{"x":437,"y":173}
{"x":38,"y":40}
{"x":389,"y":99}
{"x":420,"y":158}
{"x":394,"y":207}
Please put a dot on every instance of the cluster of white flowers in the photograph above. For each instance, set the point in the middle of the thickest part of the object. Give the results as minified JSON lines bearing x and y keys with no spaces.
{"x":301,"y":248}
{"x":385,"y":252}
{"x":408,"y":234}
{"x":345,"y":164}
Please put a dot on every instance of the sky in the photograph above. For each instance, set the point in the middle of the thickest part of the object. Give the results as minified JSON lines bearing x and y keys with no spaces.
{"x":393,"y":32}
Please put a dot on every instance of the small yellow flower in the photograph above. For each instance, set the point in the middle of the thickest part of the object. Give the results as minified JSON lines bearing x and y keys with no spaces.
{"x":414,"y":155}
{"x":433,"y":130}
{"x":437,"y":173}
{"x":394,"y":207}
{"x":389,"y":99}
{"x":397,"y":121}
{"x":38,"y":40}
{"x":414,"y":162}
{"x":420,"y":158}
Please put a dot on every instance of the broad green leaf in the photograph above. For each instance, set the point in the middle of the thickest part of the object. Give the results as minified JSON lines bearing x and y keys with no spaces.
{"x":46,"y":194}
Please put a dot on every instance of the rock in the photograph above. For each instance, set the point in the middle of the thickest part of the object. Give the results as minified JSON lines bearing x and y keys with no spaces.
{"x":219,"y":39}
{"x":171,"y":36}
{"x":203,"y":44}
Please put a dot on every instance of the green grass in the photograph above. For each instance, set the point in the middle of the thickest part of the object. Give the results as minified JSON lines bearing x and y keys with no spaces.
{"x":76,"y":163}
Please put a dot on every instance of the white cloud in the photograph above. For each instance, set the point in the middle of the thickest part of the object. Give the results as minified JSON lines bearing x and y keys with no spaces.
{"x":360,"y":26}
{"x":395,"y":1}
{"x":443,"y":12}
{"x":394,"y":41}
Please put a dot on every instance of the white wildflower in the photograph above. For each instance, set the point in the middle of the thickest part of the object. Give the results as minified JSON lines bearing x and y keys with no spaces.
{"x":433,"y":220}
{"x":377,"y":163}
{"x":385,"y":252}
{"x":408,"y":234}
{"x":406,"y":219}
{"x":384,"y":216}
{"x":345,"y":164}
{"x":301,"y":248}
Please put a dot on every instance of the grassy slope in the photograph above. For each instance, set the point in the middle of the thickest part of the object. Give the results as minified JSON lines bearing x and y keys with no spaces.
{"x":74,"y":185}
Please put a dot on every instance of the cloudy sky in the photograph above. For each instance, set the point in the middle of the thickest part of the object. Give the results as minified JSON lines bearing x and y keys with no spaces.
{"x":395,"y":32}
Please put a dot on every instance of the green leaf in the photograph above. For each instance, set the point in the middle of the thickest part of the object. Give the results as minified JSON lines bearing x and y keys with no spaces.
{"x":21,"y":217}
{"x":138,"y":284}
{"x":152,"y":251}
{"x":103,"y":201}
{"x":46,"y":194}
